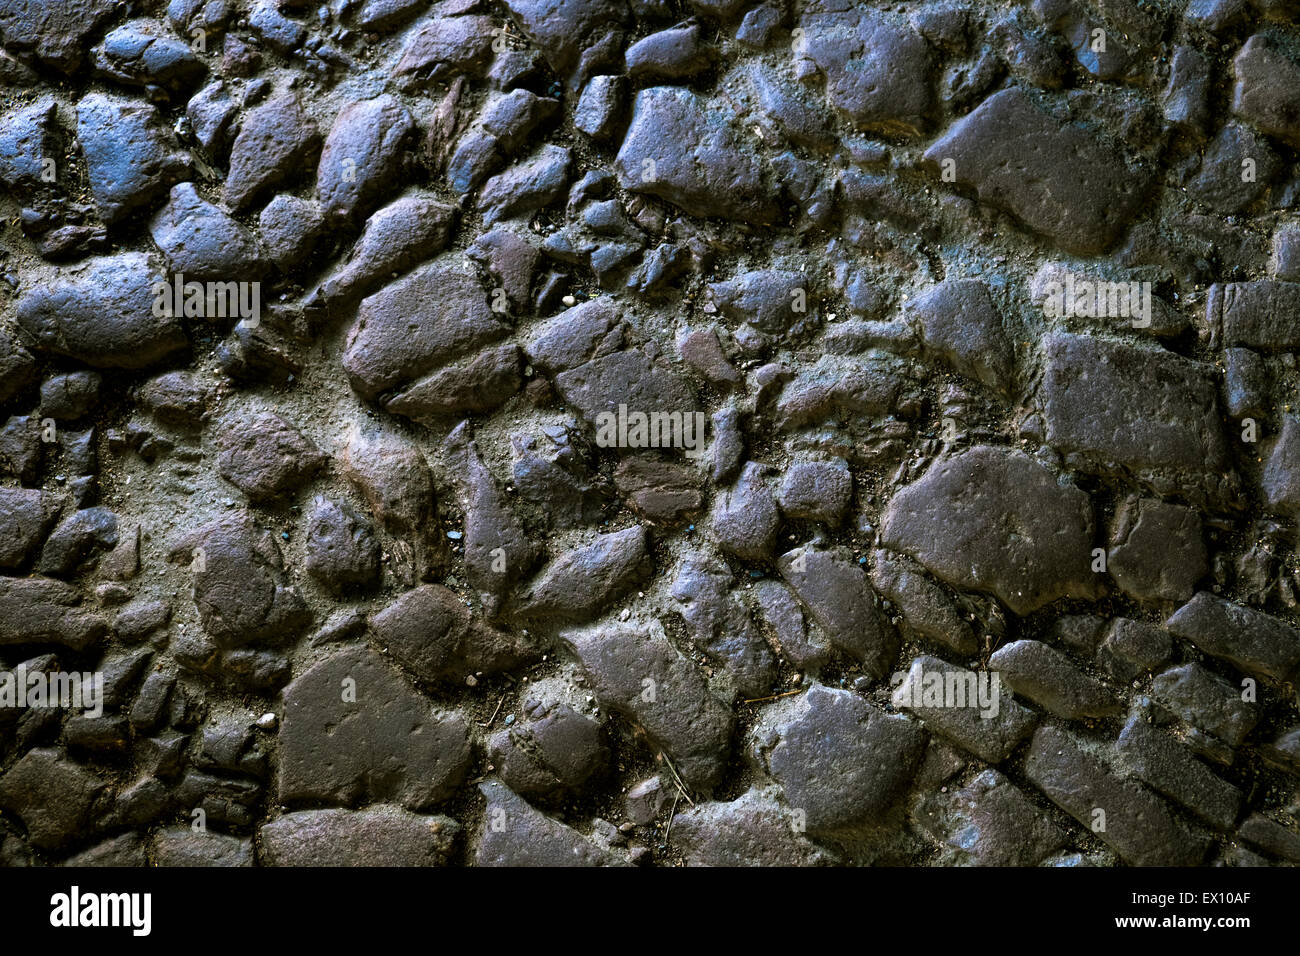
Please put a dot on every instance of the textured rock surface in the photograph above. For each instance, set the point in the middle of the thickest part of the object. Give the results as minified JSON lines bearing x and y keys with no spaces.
{"x":495,"y":432}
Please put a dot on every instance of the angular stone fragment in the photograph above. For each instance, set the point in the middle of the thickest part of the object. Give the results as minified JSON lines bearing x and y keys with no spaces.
{"x":600,"y":105}
{"x":1250,"y":640}
{"x":925,"y":607}
{"x":141,"y":53}
{"x":1070,"y":186}
{"x":1169,"y":767}
{"x":817,"y":491}
{"x":394,"y":478}
{"x":129,"y":155}
{"x":964,"y":706}
{"x":291,"y":228}
{"x":25,"y":516}
{"x":959,"y":323}
{"x":353,"y":731}
{"x":783,"y":614}
{"x":772,"y":300}
{"x":990,"y":822}
{"x":204,"y":243}
{"x":1206,"y":701}
{"x":636,"y":672}
{"x":1257,"y":314}
{"x":362,"y":156}
{"x":1139,"y":826}
{"x":1266,"y":88}
{"x":375,"y":836}
{"x":583,"y":583}
{"x":752,"y":830}
{"x":1271,"y":837}
{"x":1148,"y":412}
{"x":101,"y":312}
{"x":681,"y":149}
{"x":342,"y":550}
{"x":839,"y":598}
{"x":476,"y":385}
{"x":720,"y":624}
{"x":1221,"y":183}
{"x":630,"y":378}
{"x":185,"y":847}
{"x":837,"y":757}
{"x":745,"y":517}
{"x":526,"y":187}
{"x":991,"y":519}
{"x":660,"y":490}
{"x":58,"y":32}
{"x":575,"y":36}
{"x":54,"y":797}
{"x":433,"y":316}
{"x":264,"y":456}
{"x":1156,"y":550}
{"x":431,"y":633}
{"x":276,"y":140}
{"x":1047,"y":677}
{"x":516,"y":835}
{"x":554,"y":753}
{"x":396,"y":237}
{"x":444,"y":47}
{"x":45,"y":611}
{"x":878,"y":71}
{"x":239,"y":587}
{"x":79,"y":537}
{"x":1133,"y":648}
{"x":841,"y":387}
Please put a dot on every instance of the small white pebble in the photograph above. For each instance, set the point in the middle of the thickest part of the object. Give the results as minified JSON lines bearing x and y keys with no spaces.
{"x":569,"y":300}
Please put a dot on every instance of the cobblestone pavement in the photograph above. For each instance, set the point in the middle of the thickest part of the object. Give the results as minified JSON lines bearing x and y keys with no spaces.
{"x":656,"y":432}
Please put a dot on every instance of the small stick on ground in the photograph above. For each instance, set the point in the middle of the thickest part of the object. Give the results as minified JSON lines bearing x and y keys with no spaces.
{"x":759,"y":700}
{"x":672,"y":813}
{"x":495,"y":712}
{"x":678,"y":780}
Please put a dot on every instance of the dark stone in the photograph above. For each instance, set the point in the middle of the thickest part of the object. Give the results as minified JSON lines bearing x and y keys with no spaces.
{"x":635,"y":671}
{"x":361,"y":160}
{"x":1139,"y":826}
{"x":989,"y":729}
{"x":817,"y":491}
{"x":204,"y":243}
{"x":878,"y":71}
{"x":76,"y":539}
{"x":657,"y":489}
{"x":130,"y":157}
{"x":1133,"y":648}
{"x":264,"y":456}
{"x":1205,"y":701}
{"x":673,"y":54}
{"x":380,"y":744}
{"x":54,"y":797}
{"x":958,"y":521}
{"x":406,"y":231}
{"x":1074,"y":189}
{"x":276,"y":140}
{"x":101,"y":313}
{"x":1156,"y":550}
{"x":555,"y":752}
{"x":1266,"y":88}
{"x":25,"y":516}
{"x":745,"y":519}
{"x":682,"y":149}
{"x":45,"y":611}
{"x":1221,"y":183}
{"x":839,"y":598}
{"x":1252,"y":641}
{"x":1147,"y":412}
{"x":752,"y":830}
{"x":185,"y":847}
{"x":990,"y":822}
{"x":341,"y":549}
{"x":431,"y":633}
{"x":584,"y":583}
{"x":444,"y":48}
{"x":516,"y":835}
{"x":376,"y":836}
{"x":1048,"y":678}
{"x":772,"y":300}
{"x":838,"y":758}
{"x":958,"y":323}
{"x":1163,"y":763}
{"x":720,"y":625}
